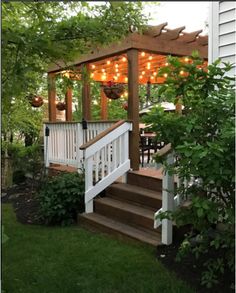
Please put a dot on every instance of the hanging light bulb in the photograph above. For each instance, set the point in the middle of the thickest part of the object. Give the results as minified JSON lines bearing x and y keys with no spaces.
{"x":154,"y":73}
{"x":152,"y":77}
{"x":186,"y":59}
{"x":116,"y":65}
{"x":93,"y":66}
{"x":124,"y":59}
{"x":166,"y":64}
{"x":150,"y":57}
{"x":117,"y":69}
{"x":143,"y":72}
{"x":126,"y":79}
{"x":103,"y":70}
{"x":140,"y":76}
{"x":103,"y":77}
{"x":143,"y":54}
{"x":181,"y":72}
{"x":165,"y":74}
{"x":115,"y":77}
{"x":118,"y":74}
{"x":148,"y":65}
{"x":108,"y":62}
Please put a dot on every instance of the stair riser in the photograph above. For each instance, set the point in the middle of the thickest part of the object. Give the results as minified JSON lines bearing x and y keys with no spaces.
{"x":84,"y":222}
{"x":144,"y":181}
{"x":133,"y":197}
{"x":123,"y":216}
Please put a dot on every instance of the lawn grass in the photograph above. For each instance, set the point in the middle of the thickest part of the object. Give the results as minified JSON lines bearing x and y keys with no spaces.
{"x":54,"y":259}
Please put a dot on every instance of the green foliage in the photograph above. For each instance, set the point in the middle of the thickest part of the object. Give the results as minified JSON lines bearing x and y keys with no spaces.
{"x":203,"y":141}
{"x":61,"y":198}
{"x":27,"y":161}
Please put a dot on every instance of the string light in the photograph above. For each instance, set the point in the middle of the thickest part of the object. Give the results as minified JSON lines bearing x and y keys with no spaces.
{"x":118,"y":74}
{"x":92,"y":75}
{"x":116,"y":65}
{"x":126,"y":94}
{"x":152,"y":77}
{"x":150,"y":58}
{"x":143,"y":54}
{"x":140,"y":76}
{"x":166,"y":64}
{"x":117,"y":69}
{"x":181,"y":72}
{"x":123,"y":59}
{"x":148,"y":65}
{"x":165,"y":74}
{"x":108,"y":62}
{"x":154,"y":73}
{"x":126,"y":79}
{"x":93,"y":66}
{"x":186,"y":59}
{"x":103,"y":70}
{"x":115,"y":77}
{"x":143,"y":72}
{"x":103,"y":77}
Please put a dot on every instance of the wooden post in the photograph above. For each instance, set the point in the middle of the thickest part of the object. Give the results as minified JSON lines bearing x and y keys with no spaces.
{"x":68,"y":99}
{"x":52,"y":97}
{"x":133,"y":107}
{"x":104,"y":113}
{"x":86,"y":101}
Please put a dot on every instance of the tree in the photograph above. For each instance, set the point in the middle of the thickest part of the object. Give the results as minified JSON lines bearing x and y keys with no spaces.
{"x":35,"y":34}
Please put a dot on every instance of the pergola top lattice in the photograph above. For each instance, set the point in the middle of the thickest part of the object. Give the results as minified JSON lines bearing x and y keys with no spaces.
{"x":155,"y":39}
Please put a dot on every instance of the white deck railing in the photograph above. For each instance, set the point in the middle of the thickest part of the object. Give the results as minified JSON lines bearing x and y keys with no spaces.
{"x":106,"y":158}
{"x":65,"y":138}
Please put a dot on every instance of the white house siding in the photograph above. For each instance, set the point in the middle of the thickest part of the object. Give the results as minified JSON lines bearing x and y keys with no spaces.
{"x":222,"y":32}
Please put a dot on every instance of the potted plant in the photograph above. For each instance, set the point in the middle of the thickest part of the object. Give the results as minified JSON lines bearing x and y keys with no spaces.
{"x":61,"y":106}
{"x":35,"y":101}
{"x":113,"y":90}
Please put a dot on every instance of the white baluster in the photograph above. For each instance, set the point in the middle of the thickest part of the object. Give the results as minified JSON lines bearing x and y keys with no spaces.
{"x":88,"y":183}
{"x":167,"y":203}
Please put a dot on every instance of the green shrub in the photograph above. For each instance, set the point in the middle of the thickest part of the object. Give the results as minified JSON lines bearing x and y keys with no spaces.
{"x":27,"y":161}
{"x":61,"y":198}
{"x":203,"y":140}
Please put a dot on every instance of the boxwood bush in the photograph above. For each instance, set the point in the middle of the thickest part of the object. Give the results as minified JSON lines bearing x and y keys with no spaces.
{"x":61,"y":198}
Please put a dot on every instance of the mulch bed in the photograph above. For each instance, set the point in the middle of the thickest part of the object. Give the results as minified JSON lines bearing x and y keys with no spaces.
{"x":24,"y":202}
{"x":26,"y":207}
{"x":190,"y":269}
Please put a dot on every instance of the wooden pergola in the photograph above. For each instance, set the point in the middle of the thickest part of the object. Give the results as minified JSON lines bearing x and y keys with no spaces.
{"x":133,"y":61}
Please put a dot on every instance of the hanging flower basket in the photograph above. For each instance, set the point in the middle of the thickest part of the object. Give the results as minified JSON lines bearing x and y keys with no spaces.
{"x":35,"y":101}
{"x":113,"y":91}
{"x":61,"y":106}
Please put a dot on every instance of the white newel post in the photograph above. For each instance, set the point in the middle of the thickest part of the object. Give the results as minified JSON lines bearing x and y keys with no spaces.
{"x":167,"y":203}
{"x":88,"y":166}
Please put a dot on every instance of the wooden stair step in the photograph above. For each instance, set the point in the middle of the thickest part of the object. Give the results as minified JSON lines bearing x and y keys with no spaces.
{"x":137,"y":194}
{"x":120,"y":230}
{"x":125,"y":212}
{"x":144,"y":180}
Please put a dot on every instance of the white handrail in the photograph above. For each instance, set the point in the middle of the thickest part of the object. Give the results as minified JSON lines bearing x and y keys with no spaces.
{"x":105,"y":161}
